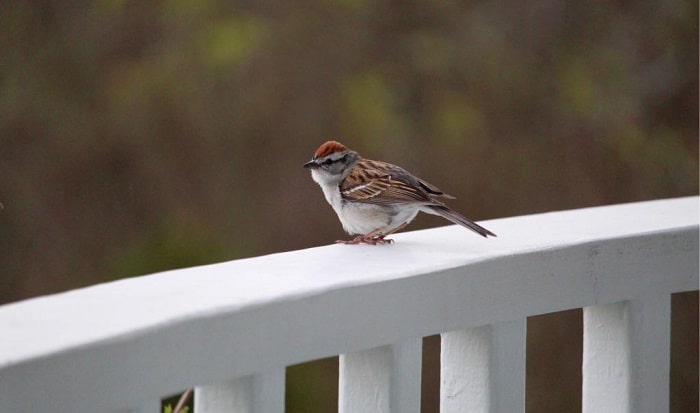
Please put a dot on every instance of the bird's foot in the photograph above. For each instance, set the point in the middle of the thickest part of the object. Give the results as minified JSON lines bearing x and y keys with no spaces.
{"x":365,"y":239}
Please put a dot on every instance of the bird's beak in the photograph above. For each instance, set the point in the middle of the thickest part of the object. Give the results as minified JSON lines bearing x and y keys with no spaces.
{"x":311,"y":164}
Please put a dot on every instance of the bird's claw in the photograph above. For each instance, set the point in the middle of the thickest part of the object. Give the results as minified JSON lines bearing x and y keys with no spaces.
{"x":380,"y":240}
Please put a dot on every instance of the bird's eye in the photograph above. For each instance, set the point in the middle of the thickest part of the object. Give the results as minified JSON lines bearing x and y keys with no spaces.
{"x":328,"y":161}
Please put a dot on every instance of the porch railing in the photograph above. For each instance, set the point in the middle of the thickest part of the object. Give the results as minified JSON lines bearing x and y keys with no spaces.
{"x":230,"y":329}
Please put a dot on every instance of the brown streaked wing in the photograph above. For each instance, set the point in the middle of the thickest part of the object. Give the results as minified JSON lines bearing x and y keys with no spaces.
{"x":402,"y":191}
{"x":433,"y":190}
{"x":370,"y":184}
{"x":366,"y":192}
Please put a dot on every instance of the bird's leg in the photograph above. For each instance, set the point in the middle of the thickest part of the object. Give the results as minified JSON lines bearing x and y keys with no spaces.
{"x":382,"y":238}
{"x":397,"y":229}
{"x":369,"y":238}
{"x":356,"y":240}
{"x":373,"y":237}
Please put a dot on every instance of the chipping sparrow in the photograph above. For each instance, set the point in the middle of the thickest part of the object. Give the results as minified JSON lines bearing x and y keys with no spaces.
{"x":375,"y":198}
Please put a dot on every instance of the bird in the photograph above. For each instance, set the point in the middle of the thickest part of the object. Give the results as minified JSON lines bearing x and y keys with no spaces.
{"x":374,"y":199}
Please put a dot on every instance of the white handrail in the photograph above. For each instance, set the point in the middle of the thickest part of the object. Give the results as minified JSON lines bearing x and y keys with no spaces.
{"x":231,"y":328}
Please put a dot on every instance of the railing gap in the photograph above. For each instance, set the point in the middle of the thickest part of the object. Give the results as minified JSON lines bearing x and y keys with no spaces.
{"x":554,"y":355}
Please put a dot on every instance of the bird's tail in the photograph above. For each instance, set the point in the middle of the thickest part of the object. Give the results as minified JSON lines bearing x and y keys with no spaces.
{"x":458,"y":219}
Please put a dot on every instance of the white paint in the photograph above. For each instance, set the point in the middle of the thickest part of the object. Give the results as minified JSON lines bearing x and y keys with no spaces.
{"x":118,"y":345}
{"x":482,"y":369}
{"x":365,"y":381}
{"x":261,"y":393}
{"x":234,"y":396}
{"x":381,"y":380}
{"x":626,"y":356}
{"x":406,"y":369}
{"x":507,"y":364}
{"x":464,"y":371}
{"x":147,"y":407}
{"x":650,"y":356}
{"x":605,"y":359}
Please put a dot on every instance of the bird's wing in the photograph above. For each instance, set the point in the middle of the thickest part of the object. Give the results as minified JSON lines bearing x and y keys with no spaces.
{"x":383,"y":184}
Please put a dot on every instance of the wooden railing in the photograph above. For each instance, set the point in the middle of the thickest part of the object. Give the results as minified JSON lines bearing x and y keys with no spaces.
{"x":230,"y":329}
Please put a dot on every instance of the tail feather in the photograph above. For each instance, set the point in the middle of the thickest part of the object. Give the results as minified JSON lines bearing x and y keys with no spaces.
{"x":458,"y":219}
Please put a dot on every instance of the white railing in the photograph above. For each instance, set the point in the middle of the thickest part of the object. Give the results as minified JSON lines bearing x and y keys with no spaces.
{"x":231,"y":328}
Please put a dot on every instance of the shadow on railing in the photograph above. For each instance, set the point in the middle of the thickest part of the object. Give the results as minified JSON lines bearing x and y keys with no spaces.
{"x":237,"y":325}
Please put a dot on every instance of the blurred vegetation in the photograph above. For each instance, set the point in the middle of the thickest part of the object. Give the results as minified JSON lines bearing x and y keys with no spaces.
{"x":142,"y":136}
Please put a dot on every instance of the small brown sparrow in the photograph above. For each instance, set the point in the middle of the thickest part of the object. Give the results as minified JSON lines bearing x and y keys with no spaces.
{"x":374,"y":198}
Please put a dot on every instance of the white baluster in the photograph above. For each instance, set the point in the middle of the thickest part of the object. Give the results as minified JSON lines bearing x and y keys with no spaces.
{"x":251,"y":394}
{"x":381,"y":380}
{"x":483,"y":369}
{"x":626,"y":356}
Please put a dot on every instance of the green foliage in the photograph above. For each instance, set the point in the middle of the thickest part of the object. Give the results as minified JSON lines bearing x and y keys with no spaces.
{"x":230,"y":42}
{"x":169,"y":409}
{"x":176,"y":243}
{"x":369,"y":108}
{"x":169,"y":403}
{"x":459,"y":122}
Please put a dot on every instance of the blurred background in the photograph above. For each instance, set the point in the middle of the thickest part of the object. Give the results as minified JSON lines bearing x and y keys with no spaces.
{"x":140,"y":136}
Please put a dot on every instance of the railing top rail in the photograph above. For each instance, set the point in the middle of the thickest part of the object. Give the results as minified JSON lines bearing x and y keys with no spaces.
{"x":50,"y":324}
{"x":526,"y":266}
